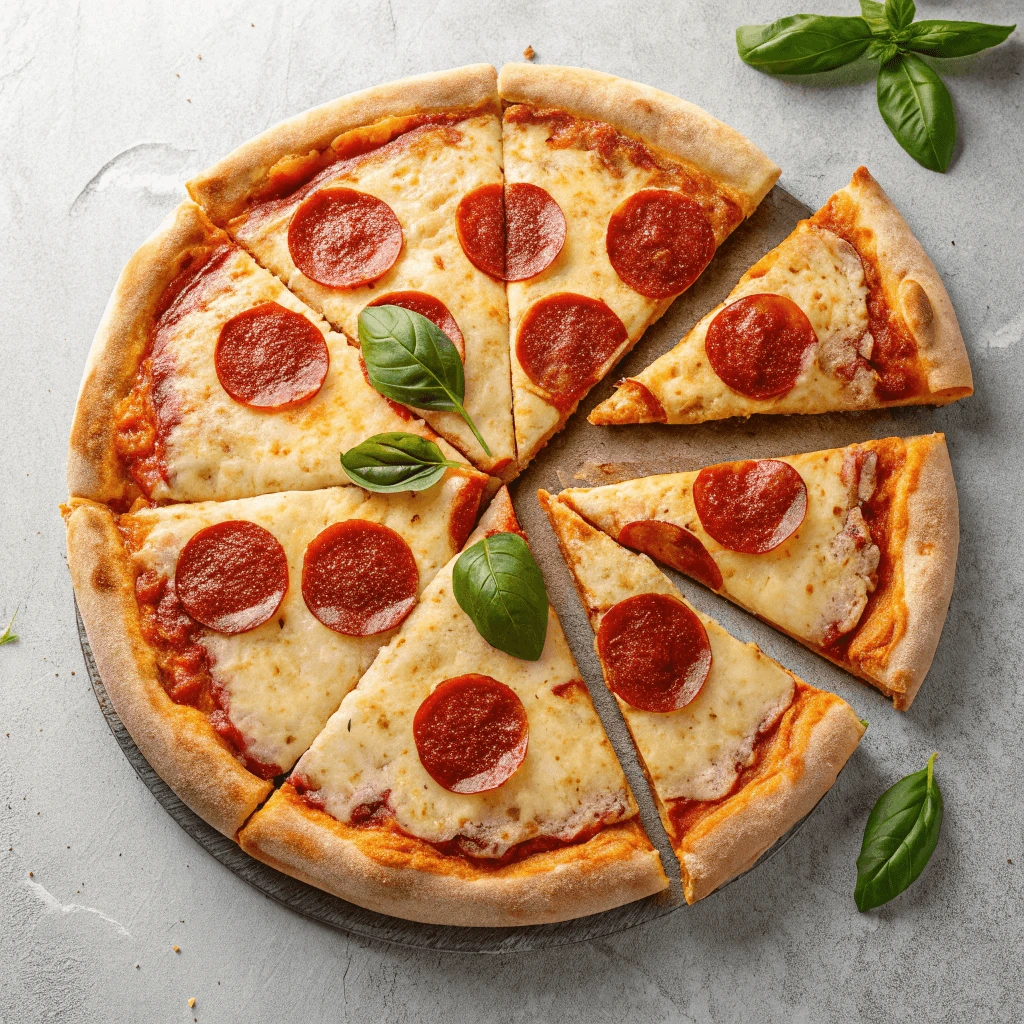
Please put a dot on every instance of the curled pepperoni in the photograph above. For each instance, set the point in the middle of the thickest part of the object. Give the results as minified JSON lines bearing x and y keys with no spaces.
{"x":430,"y":307}
{"x":674,"y":546}
{"x":758,"y":344}
{"x":480,"y":223}
{"x":471,"y":733}
{"x":232,"y":576}
{"x":535,"y":228}
{"x":270,"y":357}
{"x":659,"y":241}
{"x":564,"y":342}
{"x":359,"y":578}
{"x":750,"y":506}
{"x":655,"y":652}
{"x":342,"y":238}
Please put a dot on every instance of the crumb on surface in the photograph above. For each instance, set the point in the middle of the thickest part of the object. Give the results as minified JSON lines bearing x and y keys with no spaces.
{"x":529,"y":53}
{"x":177,"y":949}
{"x":191,"y":1001}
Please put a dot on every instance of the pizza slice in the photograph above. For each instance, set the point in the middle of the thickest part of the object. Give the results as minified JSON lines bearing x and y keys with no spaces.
{"x":458,"y":784}
{"x":846,"y":313}
{"x":851,"y":551}
{"x":736,"y":748}
{"x":617,"y":196}
{"x":354,"y":204}
{"x":209,"y":380}
{"x":227,"y":633}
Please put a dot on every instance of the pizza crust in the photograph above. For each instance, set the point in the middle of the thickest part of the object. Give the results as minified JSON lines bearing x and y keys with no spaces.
{"x":390,"y":873}
{"x":177,"y":740}
{"x":680,"y":129}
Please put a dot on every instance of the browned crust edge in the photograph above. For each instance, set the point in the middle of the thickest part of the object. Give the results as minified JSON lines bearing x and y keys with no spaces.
{"x":392,"y":874}
{"x":177,"y":740}
{"x":668,"y":123}
{"x":224,"y":188}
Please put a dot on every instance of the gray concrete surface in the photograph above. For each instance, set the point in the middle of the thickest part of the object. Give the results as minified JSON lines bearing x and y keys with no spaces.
{"x":104,"y":109}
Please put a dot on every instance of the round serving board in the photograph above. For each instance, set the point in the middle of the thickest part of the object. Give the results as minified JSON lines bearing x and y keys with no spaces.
{"x":581,"y":454}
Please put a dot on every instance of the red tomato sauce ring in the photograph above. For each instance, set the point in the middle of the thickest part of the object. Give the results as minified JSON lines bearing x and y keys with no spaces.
{"x":674,"y":546}
{"x":430,"y":307}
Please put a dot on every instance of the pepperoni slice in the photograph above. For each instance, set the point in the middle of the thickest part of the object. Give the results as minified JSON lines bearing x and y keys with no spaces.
{"x":359,"y":578}
{"x":232,"y":576}
{"x":564,"y":342}
{"x":480,"y":223}
{"x":342,"y":238}
{"x":471,"y":733}
{"x":655,"y":652}
{"x":535,"y":231}
{"x":674,"y":546}
{"x":659,"y":241}
{"x":270,"y":357}
{"x":430,"y":307}
{"x":758,"y":344}
{"x":750,"y":506}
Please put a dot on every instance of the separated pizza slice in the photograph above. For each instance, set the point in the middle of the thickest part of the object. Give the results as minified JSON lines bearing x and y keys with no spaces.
{"x":353,"y":204}
{"x":617,"y":197}
{"x":846,"y":313}
{"x":458,"y":784}
{"x":209,"y":380}
{"x":736,"y":748}
{"x":851,"y":551}
{"x":227,"y":633}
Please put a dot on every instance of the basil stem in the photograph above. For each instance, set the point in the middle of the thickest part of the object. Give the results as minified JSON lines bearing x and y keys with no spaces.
{"x":803,"y":44}
{"x":918,"y":109}
{"x":395,"y":461}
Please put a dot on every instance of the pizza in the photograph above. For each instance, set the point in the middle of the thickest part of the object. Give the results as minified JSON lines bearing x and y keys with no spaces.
{"x":736,"y":748}
{"x":846,"y":313}
{"x":851,"y":551}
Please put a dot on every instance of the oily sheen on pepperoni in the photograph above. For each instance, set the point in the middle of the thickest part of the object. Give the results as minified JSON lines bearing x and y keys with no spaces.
{"x":564,"y":341}
{"x":480,"y":224}
{"x":270,"y":357}
{"x":758,"y":344}
{"x":232,"y":576}
{"x":654,"y":651}
{"x":430,"y":307}
{"x":674,"y":546}
{"x":359,"y":578}
{"x":750,"y":506}
{"x":659,"y":242}
{"x":471,"y":733}
{"x":342,"y":238}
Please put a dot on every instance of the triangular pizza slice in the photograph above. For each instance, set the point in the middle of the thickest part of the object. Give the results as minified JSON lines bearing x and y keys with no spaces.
{"x":617,"y":196}
{"x":851,"y":551}
{"x":736,"y":748}
{"x":227,"y":633}
{"x":848,"y":312}
{"x":354,"y":204}
{"x":458,"y":784}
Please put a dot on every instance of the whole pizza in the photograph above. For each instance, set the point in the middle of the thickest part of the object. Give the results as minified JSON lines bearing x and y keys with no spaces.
{"x":291,"y":536}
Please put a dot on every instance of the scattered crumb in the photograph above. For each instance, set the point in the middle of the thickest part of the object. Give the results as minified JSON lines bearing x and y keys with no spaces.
{"x":31,"y":874}
{"x":191,"y":1002}
{"x":529,"y":53}
{"x":177,"y":949}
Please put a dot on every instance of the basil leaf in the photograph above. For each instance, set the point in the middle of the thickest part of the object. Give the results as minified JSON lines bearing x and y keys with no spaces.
{"x":499,"y":586}
{"x":900,"y":13}
{"x":874,"y":14}
{"x":882,"y":50}
{"x":411,"y":360}
{"x":395,"y":461}
{"x":918,"y":110}
{"x":954,"y":38}
{"x":802,"y":44}
{"x":9,"y":637}
{"x":899,"y":838}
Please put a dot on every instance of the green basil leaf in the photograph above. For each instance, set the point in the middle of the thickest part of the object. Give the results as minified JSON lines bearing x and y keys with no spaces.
{"x":411,"y":360}
{"x":395,"y":461}
{"x":899,"y":838}
{"x":499,"y":586}
{"x":954,"y":38}
{"x":8,"y":636}
{"x":882,"y":50}
{"x":874,"y":14}
{"x":900,"y":13}
{"x":918,"y":110}
{"x":802,"y":44}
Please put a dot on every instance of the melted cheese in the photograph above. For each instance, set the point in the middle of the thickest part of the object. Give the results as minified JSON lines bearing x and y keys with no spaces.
{"x":423,"y":182}
{"x":570,"y":779}
{"x":283,"y":679}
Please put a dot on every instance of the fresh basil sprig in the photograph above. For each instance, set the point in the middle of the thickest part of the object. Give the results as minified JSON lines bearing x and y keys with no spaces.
{"x":411,"y":360}
{"x":912,"y":98}
{"x":499,"y":586}
{"x":899,"y":838}
{"x":395,"y":461}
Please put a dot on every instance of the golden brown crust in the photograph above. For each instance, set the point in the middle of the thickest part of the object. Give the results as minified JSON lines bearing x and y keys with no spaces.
{"x":224,"y":188}
{"x":678,"y":128}
{"x":94,"y":469}
{"x":177,"y":740}
{"x":387,"y":871}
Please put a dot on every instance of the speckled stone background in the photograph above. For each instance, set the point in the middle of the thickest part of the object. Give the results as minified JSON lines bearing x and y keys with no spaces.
{"x":104,"y":109}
